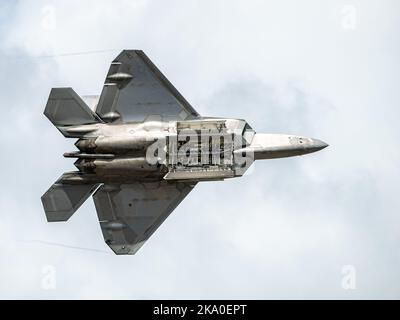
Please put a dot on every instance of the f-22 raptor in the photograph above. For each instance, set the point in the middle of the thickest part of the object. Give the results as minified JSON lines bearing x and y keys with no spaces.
{"x":143,"y":148}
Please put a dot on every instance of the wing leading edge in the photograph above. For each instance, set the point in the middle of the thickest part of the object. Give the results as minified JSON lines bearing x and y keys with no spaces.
{"x":135,"y":89}
{"x":130,"y":213}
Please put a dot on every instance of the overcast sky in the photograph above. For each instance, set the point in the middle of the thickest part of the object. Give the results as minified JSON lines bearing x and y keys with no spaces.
{"x":325,"y":225}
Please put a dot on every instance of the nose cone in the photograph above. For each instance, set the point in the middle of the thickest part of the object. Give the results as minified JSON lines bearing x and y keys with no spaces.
{"x":271,"y":146}
{"x":317,"y":145}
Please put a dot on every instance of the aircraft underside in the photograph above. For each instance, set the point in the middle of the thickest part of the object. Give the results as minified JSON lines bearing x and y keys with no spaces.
{"x":143,"y":149}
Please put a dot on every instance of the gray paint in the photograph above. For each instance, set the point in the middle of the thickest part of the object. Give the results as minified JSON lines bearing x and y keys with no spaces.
{"x":137,"y":192}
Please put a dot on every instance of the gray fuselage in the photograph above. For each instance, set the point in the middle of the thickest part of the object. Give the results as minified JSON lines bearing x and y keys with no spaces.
{"x":198,"y":150}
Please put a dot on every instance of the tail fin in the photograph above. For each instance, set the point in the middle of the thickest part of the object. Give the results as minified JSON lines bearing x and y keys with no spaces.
{"x":66,"y":108}
{"x":62,"y":199}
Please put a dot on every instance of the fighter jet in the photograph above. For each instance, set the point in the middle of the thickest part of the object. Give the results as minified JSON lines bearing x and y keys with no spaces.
{"x":142,"y":148}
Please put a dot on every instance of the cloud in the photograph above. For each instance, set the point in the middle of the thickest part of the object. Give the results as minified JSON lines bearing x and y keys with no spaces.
{"x":284,"y":231}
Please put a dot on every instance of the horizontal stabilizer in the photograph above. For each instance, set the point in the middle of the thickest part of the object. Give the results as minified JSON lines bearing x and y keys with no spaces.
{"x":62,"y":200}
{"x":66,"y":108}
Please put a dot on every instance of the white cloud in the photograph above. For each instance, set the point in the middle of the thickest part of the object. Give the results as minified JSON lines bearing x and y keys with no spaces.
{"x":291,"y":225}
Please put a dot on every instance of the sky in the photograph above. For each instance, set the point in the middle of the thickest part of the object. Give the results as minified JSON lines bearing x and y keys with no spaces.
{"x":321,"y":226}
